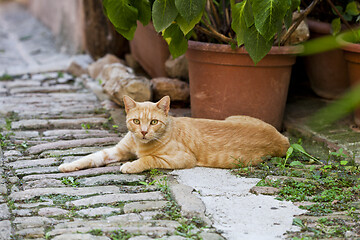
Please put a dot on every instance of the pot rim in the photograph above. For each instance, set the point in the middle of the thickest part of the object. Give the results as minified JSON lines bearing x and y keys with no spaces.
{"x":348,"y":46}
{"x":218,"y":47}
{"x":318,"y":26}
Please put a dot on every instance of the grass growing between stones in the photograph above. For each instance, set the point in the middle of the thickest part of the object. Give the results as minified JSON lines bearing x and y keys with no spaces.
{"x":6,"y":134}
{"x":6,"y":77}
{"x":328,"y":188}
{"x":190,"y":228}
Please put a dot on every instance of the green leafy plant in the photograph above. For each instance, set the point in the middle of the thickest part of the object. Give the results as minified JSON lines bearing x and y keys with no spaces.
{"x":299,"y":148}
{"x":96,"y":232}
{"x":4,"y":139}
{"x":8,"y":124}
{"x":255,"y":24}
{"x":188,"y":231}
{"x":70,"y":181}
{"x":24,"y":145}
{"x":336,"y":12}
{"x":148,"y":183}
{"x":6,"y":77}
{"x":349,"y":13}
{"x":85,"y":126}
{"x":120,"y":234}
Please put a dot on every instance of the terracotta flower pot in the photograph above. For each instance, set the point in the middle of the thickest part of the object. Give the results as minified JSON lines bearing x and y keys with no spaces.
{"x":150,"y":50}
{"x":225,"y":82}
{"x":352,"y":57}
{"x":327,"y":71}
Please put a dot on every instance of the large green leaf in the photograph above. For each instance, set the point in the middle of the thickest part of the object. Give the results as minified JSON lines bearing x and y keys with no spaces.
{"x":352,"y":9}
{"x":185,"y":26}
{"x":127,"y":33}
{"x":176,"y":40}
{"x":238,"y":21}
{"x":122,"y":16}
{"x":294,"y":4}
{"x":288,"y":19}
{"x":164,"y":13}
{"x":256,"y":45}
{"x":144,"y":10}
{"x":190,"y":9}
{"x":269,"y":16}
{"x":248,"y":13}
{"x":335,"y":26}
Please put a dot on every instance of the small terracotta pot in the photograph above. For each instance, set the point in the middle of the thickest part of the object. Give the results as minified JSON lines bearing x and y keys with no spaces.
{"x":150,"y":50}
{"x":352,"y":57}
{"x":327,"y":71}
{"x":225,"y":82}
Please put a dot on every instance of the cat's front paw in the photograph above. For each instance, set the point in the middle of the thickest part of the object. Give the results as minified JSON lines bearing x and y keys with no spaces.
{"x":67,"y":167}
{"x":130,"y":167}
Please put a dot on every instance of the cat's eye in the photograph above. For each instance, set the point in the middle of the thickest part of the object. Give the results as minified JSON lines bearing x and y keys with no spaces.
{"x":154,"y":122}
{"x":136,"y":121}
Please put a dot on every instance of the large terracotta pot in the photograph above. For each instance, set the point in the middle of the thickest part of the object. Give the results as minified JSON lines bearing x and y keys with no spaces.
{"x":327,"y":71}
{"x":225,"y":82}
{"x":352,"y":56}
{"x":150,"y":50}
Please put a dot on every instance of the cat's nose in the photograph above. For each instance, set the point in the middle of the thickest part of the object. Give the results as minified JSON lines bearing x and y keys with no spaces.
{"x":144,"y":133}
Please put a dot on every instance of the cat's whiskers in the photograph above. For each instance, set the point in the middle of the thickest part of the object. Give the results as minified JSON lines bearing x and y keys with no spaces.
{"x":158,"y":140}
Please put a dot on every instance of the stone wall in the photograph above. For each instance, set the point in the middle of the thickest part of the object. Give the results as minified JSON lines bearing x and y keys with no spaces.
{"x":65,"y":18}
{"x":80,"y":26}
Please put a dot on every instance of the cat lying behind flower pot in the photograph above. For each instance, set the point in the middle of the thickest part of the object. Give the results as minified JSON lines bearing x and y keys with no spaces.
{"x":158,"y":140}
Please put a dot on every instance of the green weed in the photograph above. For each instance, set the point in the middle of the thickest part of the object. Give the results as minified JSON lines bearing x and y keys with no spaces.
{"x":188,"y":231}
{"x":6,"y":77}
{"x":86,"y":126}
{"x":70,"y":181}
{"x":5,"y":139}
{"x":120,"y":234}
{"x":96,"y":232}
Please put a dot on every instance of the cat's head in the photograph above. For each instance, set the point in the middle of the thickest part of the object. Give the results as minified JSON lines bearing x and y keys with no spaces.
{"x":147,"y":120}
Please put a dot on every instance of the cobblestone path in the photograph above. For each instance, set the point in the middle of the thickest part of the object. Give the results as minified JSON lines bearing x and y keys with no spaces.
{"x":48,"y":119}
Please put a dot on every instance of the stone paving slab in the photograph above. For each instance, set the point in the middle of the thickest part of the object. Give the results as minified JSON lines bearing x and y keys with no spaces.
{"x":71,"y":152}
{"x":56,"y":123}
{"x":340,"y":134}
{"x":76,"y":133}
{"x":111,"y":178}
{"x":36,"y":170}
{"x":113,"y":198}
{"x":63,"y":88}
{"x":32,"y":163}
{"x":72,"y":144}
{"x":83,"y":191}
{"x":144,"y":206}
{"x":81,"y":173}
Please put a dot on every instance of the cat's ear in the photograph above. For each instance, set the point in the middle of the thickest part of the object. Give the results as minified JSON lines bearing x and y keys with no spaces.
{"x":164,"y":104}
{"x":129,"y":103}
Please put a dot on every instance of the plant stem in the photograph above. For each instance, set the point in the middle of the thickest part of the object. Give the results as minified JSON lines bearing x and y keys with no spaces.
{"x":298,"y":21}
{"x":209,"y":11}
{"x":224,"y":14}
{"x":216,"y":16}
{"x":215,"y":34}
{"x":339,"y":14}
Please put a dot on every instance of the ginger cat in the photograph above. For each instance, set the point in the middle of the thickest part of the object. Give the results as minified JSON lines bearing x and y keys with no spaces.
{"x":158,"y":140}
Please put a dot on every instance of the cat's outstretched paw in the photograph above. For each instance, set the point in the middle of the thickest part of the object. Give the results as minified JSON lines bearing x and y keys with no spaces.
{"x":67,"y":167}
{"x":130,"y":167}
